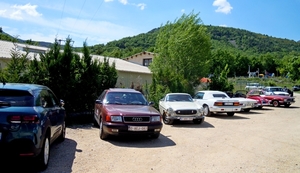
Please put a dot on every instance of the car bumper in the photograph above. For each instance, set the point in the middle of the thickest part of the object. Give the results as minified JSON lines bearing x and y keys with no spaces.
{"x":139,"y":129}
{"x":225,"y":109}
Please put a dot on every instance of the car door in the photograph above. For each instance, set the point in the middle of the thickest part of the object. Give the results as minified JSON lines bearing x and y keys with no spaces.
{"x":51,"y":113}
{"x":98,"y":106}
{"x":58,"y":116}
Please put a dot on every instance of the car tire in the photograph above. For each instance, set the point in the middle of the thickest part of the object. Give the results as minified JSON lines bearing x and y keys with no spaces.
{"x":43,"y":157}
{"x":230,"y":114}
{"x":206,"y":111}
{"x":246,"y":110}
{"x":102,"y":134}
{"x":275,"y":103}
{"x":198,"y":121}
{"x":62,"y":135}
{"x":166,"y":120}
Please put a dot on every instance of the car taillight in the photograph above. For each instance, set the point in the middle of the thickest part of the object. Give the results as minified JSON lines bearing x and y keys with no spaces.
{"x":236,"y":103}
{"x":218,"y":104}
{"x":23,"y":119}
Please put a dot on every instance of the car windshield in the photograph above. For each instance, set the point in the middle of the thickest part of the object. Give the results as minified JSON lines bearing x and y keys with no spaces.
{"x":125,"y":98}
{"x":16,"y":98}
{"x":276,"y":89}
{"x":179,"y":98}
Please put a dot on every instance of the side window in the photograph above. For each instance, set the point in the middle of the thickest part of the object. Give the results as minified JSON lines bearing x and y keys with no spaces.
{"x":199,"y":95}
{"x":53,"y":98}
{"x":45,"y":99}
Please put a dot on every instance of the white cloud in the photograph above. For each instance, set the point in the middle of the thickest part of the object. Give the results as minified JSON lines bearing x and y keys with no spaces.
{"x":223,"y":25}
{"x":123,"y":1}
{"x":108,"y":0}
{"x":20,"y":12}
{"x":223,"y":6}
{"x":183,"y":11}
{"x":141,"y":6}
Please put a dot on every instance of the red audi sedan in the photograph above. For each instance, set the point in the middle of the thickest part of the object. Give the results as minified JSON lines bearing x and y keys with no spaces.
{"x":120,"y":111}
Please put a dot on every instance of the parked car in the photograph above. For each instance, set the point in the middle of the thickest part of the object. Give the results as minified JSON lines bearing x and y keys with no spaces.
{"x":180,"y":106}
{"x":246,"y":103}
{"x":120,"y":111}
{"x":261,"y":101}
{"x":217,"y":102}
{"x":277,"y":100}
{"x":275,"y":90}
{"x":31,"y":119}
{"x":296,"y":88}
{"x":250,"y":86}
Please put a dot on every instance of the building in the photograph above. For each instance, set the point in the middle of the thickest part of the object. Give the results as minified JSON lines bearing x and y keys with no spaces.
{"x":142,"y":58}
{"x":130,"y":75}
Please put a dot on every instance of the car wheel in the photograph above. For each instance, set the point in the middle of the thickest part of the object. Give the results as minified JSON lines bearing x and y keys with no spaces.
{"x":167,"y":120}
{"x":62,"y":136}
{"x":275,"y":103}
{"x":230,"y":114}
{"x":102,"y":134}
{"x":287,"y":105}
{"x":43,"y":157}
{"x":259,"y":107}
{"x":246,"y":110}
{"x":155,"y":136}
{"x":198,"y":121}
{"x":206,"y":111}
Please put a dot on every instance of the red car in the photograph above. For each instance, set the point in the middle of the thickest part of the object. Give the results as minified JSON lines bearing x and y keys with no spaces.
{"x":120,"y":111}
{"x":275,"y":100}
{"x":261,"y":101}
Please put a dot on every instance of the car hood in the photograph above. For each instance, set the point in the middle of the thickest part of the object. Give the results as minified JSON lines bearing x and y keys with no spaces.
{"x":131,"y":110}
{"x":183,"y":105}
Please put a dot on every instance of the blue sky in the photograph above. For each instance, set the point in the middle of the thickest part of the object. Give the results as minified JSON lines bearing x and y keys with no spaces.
{"x":102,"y":21}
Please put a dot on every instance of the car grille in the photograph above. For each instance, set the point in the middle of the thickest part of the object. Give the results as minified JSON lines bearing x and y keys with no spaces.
{"x":137,"y":119}
{"x":186,"y":112}
{"x":290,"y":100}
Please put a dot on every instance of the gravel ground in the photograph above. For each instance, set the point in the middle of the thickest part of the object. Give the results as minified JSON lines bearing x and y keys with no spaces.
{"x":266,"y":140}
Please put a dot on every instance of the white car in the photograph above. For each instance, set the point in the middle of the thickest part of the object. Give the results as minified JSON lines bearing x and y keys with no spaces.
{"x":275,"y":90}
{"x":217,"y":102}
{"x":180,"y":106}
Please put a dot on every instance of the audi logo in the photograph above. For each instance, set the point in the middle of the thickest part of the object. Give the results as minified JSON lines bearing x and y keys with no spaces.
{"x":137,"y":119}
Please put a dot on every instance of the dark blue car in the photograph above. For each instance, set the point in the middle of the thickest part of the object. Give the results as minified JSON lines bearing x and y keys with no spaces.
{"x":31,"y":119}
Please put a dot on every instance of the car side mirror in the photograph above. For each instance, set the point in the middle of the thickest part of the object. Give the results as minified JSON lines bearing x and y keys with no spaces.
{"x":62,"y":103}
{"x":151,"y":103}
{"x":98,"y":102}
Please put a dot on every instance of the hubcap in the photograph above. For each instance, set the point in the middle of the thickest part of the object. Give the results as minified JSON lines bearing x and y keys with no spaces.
{"x":46,"y":151}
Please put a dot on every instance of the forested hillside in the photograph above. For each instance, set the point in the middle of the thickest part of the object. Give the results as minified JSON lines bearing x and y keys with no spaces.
{"x":238,"y":40}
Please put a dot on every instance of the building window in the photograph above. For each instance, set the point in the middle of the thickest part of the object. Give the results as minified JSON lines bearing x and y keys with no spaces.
{"x":147,"y":62}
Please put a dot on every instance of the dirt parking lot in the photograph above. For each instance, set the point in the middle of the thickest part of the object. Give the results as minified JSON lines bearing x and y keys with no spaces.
{"x":266,"y":140}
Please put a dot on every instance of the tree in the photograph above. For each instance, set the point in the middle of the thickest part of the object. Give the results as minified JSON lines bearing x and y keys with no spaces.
{"x":219,"y":80}
{"x":183,"y":52}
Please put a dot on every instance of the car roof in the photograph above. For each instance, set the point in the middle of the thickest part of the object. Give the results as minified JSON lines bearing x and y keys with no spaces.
{"x":22,"y":86}
{"x":178,"y":94}
{"x":122,"y":90}
{"x":212,"y":91}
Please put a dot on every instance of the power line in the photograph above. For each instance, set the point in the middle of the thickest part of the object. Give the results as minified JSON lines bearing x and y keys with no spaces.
{"x":79,"y":12}
{"x":61,"y":17}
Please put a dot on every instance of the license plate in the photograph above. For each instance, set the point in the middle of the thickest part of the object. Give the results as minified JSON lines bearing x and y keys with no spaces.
{"x":186,"y":118}
{"x":137,"y":128}
{"x":228,"y":103}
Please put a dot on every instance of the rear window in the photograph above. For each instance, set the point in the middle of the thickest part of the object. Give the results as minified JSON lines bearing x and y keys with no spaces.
{"x":16,"y":97}
{"x":219,"y":95}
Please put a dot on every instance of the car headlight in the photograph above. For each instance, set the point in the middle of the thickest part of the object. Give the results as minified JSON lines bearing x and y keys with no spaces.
{"x":285,"y":100}
{"x":116,"y":118}
{"x":170,"y":111}
{"x":155,"y":118}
